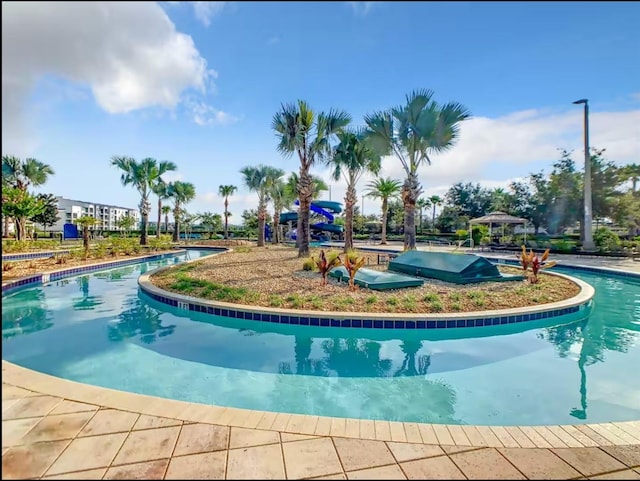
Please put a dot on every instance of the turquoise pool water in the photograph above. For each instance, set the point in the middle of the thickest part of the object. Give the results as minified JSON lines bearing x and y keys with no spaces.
{"x":98,"y":329}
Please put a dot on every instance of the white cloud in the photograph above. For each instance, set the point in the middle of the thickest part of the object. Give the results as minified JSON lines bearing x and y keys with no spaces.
{"x":205,"y":11}
{"x":129,"y":55}
{"x":273,"y":40}
{"x":361,"y":8}
{"x":172,"y":176}
{"x":204,"y":114}
{"x":636,"y":96}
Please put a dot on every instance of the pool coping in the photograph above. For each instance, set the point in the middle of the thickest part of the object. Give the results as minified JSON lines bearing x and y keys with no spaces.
{"x":344,"y":319}
{"x":543,"y":436}
{"x":623,"y":433}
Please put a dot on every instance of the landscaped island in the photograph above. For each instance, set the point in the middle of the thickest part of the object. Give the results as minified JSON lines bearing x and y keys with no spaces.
{"x":273,"y":276}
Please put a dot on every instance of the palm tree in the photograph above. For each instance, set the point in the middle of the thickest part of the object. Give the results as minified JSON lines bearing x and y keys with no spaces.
{"x":412,"y":132}
{"x":317,"y":183}
{"x":159,"y":187}
{"x":226,"y":191}
{"x":422,"y":204}
{"x":181,"y":193}
{"x":351,"y":158}
{"x":143,"y":176}
{"x":211,"y":221}
{"x":85,"y":222}
{"x":260,"y":179}
{"x":21,"y":175}
{"x":165,"y":210}
{"x":384,"y":189}
{"x":282,"y":195}
{"x":301,"y":131}
{"x":435,"y":201}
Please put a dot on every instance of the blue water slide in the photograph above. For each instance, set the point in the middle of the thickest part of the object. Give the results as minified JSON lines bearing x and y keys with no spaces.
{"x":319,"y":210}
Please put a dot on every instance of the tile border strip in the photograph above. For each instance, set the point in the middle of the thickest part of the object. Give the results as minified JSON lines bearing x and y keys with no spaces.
{"x":581,"y":302}
{"x":24,"y":256}
{"x":42,"y":278}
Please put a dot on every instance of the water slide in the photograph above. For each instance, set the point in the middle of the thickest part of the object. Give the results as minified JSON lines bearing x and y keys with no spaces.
{"x":325,"y":208}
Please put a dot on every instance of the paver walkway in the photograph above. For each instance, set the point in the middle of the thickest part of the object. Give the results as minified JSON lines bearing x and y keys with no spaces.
{"x":49,"y":437}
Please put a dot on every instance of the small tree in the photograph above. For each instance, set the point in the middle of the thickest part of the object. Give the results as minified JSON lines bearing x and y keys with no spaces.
{"x":49,"y":216}
{"x":126,"y":223}
{"x":20,"y":205}
{"x":166,"y":209}
{"x":85,"y":222}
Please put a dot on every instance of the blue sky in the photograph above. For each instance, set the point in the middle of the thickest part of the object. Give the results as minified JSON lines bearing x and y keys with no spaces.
{"x":198,"y":83}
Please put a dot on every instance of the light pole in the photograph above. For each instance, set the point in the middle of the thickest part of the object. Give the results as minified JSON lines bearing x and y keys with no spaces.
{"x":329,"y":192}
{"x":588,"y":228}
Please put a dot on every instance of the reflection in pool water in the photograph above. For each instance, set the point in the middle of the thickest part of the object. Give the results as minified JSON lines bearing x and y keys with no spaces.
{"x":98,"y":329}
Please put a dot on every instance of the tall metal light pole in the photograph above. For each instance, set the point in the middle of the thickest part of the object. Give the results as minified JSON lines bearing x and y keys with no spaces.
{"x":588,"y":216}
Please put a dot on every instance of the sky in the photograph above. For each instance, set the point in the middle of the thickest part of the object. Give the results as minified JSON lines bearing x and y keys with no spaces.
{"x":198,"y":83}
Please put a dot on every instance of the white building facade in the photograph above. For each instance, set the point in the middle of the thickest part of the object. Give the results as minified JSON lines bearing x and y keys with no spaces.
{"x":107,"y":215}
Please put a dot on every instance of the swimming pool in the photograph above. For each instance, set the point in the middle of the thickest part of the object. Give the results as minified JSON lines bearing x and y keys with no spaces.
{"x":98,"y":329}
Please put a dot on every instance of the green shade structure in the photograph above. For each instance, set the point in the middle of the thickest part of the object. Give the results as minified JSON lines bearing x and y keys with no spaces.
{"x":456,"y":268}
{"x":377,"y":280}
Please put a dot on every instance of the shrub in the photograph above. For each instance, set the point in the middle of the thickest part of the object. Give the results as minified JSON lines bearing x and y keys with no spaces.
{"x":309,"y":264}
{"x":478,"y":232}
{"x":462,"y":234}
{"x":606,"y":238}
{"x":371,"y":300}
{"x":431,"y":297}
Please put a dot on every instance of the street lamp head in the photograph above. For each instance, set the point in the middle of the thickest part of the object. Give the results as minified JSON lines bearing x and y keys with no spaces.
{"x":581,"y":101}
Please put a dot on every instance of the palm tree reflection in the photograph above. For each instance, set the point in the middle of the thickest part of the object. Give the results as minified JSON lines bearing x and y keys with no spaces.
{"x":86,"y":302}
{"x":139,"y":319}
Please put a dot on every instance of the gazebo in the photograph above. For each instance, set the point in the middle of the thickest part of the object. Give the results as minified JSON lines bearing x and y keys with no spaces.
{"x":499,"y":218}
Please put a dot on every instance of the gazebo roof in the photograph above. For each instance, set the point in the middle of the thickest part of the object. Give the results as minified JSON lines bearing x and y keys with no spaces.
{"x":498,"y":218}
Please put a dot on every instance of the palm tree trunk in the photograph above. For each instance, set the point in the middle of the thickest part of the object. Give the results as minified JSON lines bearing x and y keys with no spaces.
{"x":410,"y":194}
{"x":226,"y":217}
{"x":159,"y":217}
{"x":349,"y":201}
{"x":176,"y":223}
{"x":144,"y":211}
{"x":276,"y":225}
{"x":166,"y":223}
{"x":385,"y":212}
{"x":305,"y":194}
{"x":85,"y":239}
{"x":6,"y":226}
{"x":262,"y":218}
{"x":433,"y":219}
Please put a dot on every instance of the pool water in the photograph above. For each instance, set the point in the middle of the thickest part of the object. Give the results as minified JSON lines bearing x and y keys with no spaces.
{"x":98,"y":329}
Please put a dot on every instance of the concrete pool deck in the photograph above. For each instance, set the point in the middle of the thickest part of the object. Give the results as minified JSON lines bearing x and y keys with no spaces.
{"x":56,"y":428}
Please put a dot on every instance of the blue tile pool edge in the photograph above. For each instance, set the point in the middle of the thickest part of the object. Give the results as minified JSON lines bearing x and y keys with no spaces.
{"x":581,"y":302}
{"x":42,"y":278}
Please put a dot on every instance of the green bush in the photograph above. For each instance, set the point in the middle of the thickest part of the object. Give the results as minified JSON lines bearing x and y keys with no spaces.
{"x":309,"y":265}
{"x":462,"y":234}
{"x":605,"y":238}
{"x":478,"y":232}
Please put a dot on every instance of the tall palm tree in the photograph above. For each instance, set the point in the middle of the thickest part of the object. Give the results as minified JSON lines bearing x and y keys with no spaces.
{"x":181,"y":193}
{"x":351,"y":158}
{"x":384,"y":189}
{"x":422,"y":203}
{"x":412,"y":132}
{"x":159,"y":187}
{"x":226,"y":191}
{"x":282,"y":195}
{"x":435,"y":201}
{"x":23,"y":174}
{"x":300,"y":130}
{"x":143,"y":176}
{"x":260,"y":179}
{"x":165,"y":210}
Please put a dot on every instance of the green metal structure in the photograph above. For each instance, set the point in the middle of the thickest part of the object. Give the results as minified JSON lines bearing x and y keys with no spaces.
{"x":377,"y":280}
{"x":455,"y":268}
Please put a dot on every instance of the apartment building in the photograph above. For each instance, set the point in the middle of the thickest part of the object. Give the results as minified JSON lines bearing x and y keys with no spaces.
{"x":107,"y":215}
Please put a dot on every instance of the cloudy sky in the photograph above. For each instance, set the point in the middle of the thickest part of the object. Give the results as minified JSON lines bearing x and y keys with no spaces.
{"x":198,"y":83}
